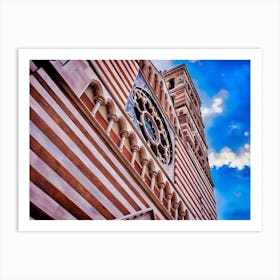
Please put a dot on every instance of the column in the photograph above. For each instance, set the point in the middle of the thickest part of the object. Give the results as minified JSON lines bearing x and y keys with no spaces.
{"x":134,"y":149}
{"x":111,"y":119}
{"x":176,"y":206}
{"x":123,"y":135}
{"x":153,"y":178}
{"x":98,"y":101}
{"x":182,"y":214}
{"x":169,"y":196}
{"x":144,"y":163}
{"x":161,"y":186}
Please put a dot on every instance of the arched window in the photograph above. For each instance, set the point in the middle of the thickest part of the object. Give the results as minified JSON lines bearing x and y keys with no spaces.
{"x":171,"y":84}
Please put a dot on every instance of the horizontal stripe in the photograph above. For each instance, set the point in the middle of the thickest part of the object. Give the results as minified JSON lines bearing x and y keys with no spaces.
{"x":116,"y":90}
{"x":40,"y":181}
{"x":62,"y":186}
{"x":61,"y":168}
{"x":67,"y":150}
{"x":193,"y":178}
{"x":102,"y":150}
{"x":191,"y":200}
{"x":131,"y":74}
{"x":116,"y":77}
{"x":104,"y":155}
{"x":126,"y":75}
{"x":184,"y":154}
{"x":76,"y":135}
{"x":121,"y":75}
{"x":45,"y":203}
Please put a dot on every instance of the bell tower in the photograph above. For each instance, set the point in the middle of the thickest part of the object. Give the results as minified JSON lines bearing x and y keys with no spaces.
{"x":187,"y":106}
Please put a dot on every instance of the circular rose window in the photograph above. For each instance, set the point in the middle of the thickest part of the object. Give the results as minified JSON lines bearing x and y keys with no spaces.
{"x":152,"y":125}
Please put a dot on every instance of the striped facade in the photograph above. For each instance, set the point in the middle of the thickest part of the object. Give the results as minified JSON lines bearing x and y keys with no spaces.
{"x":89,"y":161}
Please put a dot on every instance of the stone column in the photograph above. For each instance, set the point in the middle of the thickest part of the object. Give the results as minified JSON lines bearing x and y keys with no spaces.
{"x":99,"y":101}
{"x":123,"y":135}
{"x":111,"y":119}
{"x":182,"y":214}
{"x":153,"y":178}
{"x":161,"y":186}
{"x":169,"y":196}
{"x":144,"y":165}
{"x":134,"y":149}
{"x":176,"y":206}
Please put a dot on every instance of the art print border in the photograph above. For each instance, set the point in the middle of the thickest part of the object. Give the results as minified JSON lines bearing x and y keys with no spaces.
{"x":254,"y":55}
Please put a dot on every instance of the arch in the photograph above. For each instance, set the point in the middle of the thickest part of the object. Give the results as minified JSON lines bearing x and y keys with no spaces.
{"x":162,"y":96}
{"x":142,"y":64}
{"x":196,"y":146}
{"x":150,"y":72}
{"x":151,"y":166}
{"x":122,"y":124}
{"x":166,"y":106}
{"x":182,"y":208}
{"x":171,"y":115}
{"x":170,"y":109}
{"x":163,"y":100}
{"x":96,"y":88}
{"x":174,"y":198}
{"x":159,"y":177}
{"x":110,"y":106}
{"x":187,"y":215}
{"x":142,"y":153}
{"x":167,"y":188}
{"x":155,"y":81}
{"x":171,"y":83}
{"x":132,"y":139}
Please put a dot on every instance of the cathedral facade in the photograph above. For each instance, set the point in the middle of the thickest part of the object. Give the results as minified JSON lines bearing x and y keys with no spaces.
{"x":116,"y":139}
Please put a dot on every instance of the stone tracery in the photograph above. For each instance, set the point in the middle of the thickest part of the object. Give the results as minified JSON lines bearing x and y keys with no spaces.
{"x":152,"y":125}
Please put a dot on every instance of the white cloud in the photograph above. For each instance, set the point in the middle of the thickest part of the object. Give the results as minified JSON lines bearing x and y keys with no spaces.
{"x":192,"y":61}
{"x":217,"y":106}
{"x":227,"y":157}
{"x":233,"y":127}
{"x":162,"y":65}
{"x":246,"y":133}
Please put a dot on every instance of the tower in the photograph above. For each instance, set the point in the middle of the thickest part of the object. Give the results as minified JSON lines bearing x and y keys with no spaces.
{"x":187,"y":105}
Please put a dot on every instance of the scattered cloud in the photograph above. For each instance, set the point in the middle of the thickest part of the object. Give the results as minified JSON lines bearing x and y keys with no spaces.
{"x":196,"y":62}
{"x":216,"y":107}
{"x":246,"y":133}
{"x":227,"y":157}
{"x":233,"y":127}
{"x":162,"y":65}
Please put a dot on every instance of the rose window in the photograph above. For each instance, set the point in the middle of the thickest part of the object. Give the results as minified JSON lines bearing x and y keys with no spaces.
{"x":152,"y":125}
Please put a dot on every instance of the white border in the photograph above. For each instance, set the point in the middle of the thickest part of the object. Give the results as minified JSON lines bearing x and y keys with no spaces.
{"x":254,"y":55}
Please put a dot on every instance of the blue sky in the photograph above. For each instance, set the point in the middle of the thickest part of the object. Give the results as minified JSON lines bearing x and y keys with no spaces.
{"x":224,"y":89}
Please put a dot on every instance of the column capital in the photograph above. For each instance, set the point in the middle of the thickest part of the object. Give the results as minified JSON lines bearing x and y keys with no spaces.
{"x":112,"y":117}
{"x":182,"y":213}
{"x":134,"y":148}
{"x":176,"y":205}
{"x":153,"y":174}
{"x":144,"y":161}
{"x":99,"y":99}
{"x":123,"y":133}
{"x":169,"y":195}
